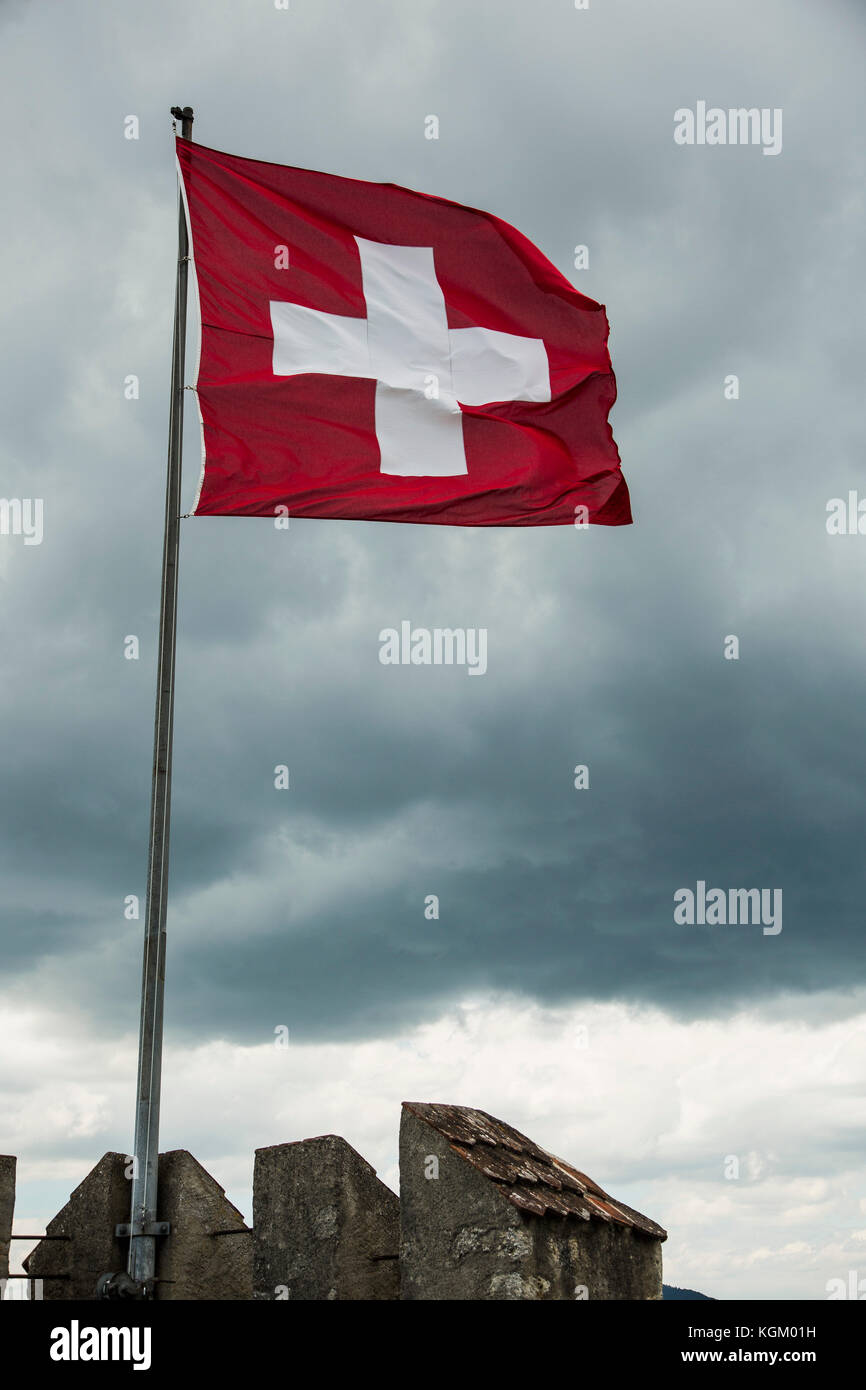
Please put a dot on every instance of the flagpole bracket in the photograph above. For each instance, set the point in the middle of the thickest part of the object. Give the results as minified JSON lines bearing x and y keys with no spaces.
{"x":126,"y":1229}
{"x":120,"y":1285}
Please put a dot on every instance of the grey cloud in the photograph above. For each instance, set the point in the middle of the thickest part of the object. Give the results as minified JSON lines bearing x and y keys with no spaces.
{"x":604,"y":649}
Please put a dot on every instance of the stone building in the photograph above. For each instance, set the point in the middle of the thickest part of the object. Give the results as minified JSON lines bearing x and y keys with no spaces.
{"x":486,"y":1214}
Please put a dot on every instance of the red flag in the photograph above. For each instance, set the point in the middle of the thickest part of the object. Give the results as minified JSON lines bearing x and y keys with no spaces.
{"x":368,"y":352}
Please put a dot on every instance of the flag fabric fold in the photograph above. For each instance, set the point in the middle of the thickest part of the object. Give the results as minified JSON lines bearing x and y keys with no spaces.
{"x":368,"y":352}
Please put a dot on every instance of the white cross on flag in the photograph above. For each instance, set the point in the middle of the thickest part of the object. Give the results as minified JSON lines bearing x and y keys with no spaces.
{"x":368,"y":352}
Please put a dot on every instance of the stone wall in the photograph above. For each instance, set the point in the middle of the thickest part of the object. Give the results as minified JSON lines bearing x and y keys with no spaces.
{"x":461,"y":1238}
{"x":325,"y":1226}
{"x":192,"y":1263}
{"x":458,"y":1239}
{"x":7,"y":1209}
{"x":70,"y":1267}
{"x":484,"y":1214}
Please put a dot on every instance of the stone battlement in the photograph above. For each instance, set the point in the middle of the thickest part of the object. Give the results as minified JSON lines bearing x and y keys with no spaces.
{"x":483,"y":1214}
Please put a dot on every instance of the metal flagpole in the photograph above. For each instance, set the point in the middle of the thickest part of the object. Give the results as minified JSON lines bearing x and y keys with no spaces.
{"x":144,"y":1227}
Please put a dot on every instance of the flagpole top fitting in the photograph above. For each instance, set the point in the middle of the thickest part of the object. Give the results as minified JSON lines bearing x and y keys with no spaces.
{"x":184,"y":114}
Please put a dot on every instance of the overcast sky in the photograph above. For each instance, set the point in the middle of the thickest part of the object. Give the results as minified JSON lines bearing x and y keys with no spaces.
{"x":555,"y":990}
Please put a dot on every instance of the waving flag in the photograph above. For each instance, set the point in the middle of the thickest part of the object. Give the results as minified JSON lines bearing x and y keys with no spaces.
{"x":368,"y":352}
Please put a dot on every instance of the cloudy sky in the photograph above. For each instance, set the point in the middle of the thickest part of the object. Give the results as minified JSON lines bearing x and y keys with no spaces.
{"x":555,"y":989}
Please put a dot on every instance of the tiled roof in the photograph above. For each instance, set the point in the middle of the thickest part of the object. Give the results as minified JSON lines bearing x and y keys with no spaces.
{"x":528,"y":1176}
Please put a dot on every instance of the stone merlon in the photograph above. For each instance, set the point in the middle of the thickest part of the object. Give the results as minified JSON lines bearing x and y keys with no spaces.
{"x":488,"y":1214}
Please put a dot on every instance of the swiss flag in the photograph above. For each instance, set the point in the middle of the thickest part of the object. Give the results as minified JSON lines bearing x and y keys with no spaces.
{"x":368,"y":352}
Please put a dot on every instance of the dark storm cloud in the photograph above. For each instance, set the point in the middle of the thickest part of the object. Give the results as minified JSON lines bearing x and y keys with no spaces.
{"x":306,"y":907}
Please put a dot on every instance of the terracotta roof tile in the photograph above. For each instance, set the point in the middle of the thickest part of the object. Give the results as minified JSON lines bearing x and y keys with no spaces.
{"x":529,"y":1177}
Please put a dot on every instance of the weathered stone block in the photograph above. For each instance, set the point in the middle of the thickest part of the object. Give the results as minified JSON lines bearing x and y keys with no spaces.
{"x":324,"y":1226}
{"x":488,"y":1215}
{"x":192,"y":1262}
{"x":70,"y":1267}
{"x":7,"y":1209}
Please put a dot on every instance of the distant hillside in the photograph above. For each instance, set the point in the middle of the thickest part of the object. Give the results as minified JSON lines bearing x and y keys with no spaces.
{"x":670,"y":1291}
